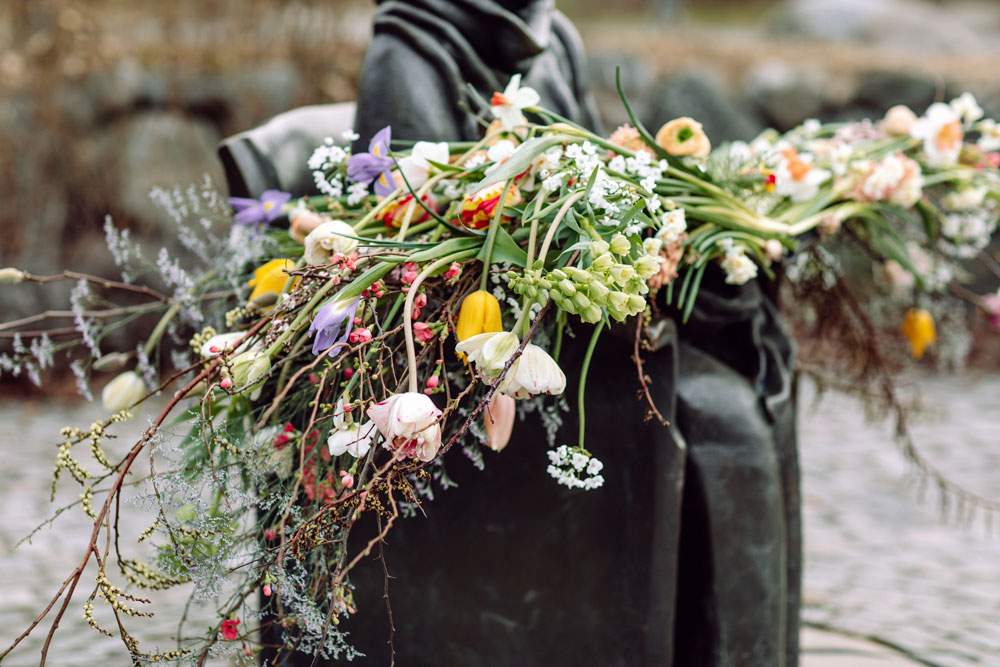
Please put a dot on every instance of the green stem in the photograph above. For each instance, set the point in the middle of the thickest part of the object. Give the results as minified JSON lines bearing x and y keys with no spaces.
{"x":492,"y":235}
{"x":161,"y":326}
{"x":411,"y":354}
{"x":572,"y":199}
{"x":583,"y":378}
{"x":385,"y":325}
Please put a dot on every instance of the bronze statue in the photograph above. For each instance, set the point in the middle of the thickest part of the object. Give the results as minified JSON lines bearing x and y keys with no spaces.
{"x":690,"y":553}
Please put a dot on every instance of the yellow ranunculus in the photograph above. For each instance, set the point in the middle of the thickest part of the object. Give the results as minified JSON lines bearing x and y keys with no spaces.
{"x":270,"y":278}
{"x":918,"y":327}
{"x":480,"y":313}
{"x":684,"y":136}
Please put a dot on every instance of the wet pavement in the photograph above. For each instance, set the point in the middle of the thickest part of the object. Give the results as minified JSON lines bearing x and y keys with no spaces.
{"x":879,"y":562}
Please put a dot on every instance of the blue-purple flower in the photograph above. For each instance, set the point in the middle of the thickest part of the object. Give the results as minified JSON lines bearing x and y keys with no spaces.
{"x":375,"y":165}
{"x":332,"y":325}
{"x":265,"y":210}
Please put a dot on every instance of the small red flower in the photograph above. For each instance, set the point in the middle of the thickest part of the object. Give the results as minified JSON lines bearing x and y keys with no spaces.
{"x":422,"y":332}
{"x":229,"y":628}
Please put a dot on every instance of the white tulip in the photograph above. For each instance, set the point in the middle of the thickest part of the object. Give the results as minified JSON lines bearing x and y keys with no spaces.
{"x":123,"y":392}
{"x":534,"y":372}
{"x":409,"y":424}
{"x":489,"y":351}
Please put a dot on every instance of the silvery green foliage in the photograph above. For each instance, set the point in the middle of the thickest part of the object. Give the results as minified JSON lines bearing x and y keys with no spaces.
{"x":79,"y":369}
{"x":318,"y":637}
{"x":87,"y":327}
{"x":124,"y":251}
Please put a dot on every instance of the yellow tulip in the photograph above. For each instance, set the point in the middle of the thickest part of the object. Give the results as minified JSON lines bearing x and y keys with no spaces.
{"x":480,"y":313}
{"x":918,"y":327}
{"x":269,"y":279}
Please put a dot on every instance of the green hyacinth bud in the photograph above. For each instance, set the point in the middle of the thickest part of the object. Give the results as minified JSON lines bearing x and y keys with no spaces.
{"x":567,"y":287}
{"x":598,"y":248}
{"x":602,"y":263}
{"x":592,"y":314}
{"x":620,"y":244}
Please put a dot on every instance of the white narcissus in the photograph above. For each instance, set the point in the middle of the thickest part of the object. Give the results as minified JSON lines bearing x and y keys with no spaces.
{"x":534,"y":372}
{"x":507,"y":106}
{"x":348,"y":436}
{"x":489,"y":351}
{"x":941,"y":130}
{"x":409,"y":424}
{"x":123,"y":392}
{"x":328,"y":239}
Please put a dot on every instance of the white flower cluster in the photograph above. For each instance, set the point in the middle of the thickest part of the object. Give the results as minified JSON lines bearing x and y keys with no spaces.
{"x":738,"y":267}
{"x":640,"y":166}
{"x":968,"y":232}
{"x":323,"y":160}
{"x":569,"y":464}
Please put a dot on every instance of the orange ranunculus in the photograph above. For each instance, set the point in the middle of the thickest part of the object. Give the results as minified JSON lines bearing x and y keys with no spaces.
{"x":478,"y":208}
{"x":683,"y":136}
{"x":918,"y":327}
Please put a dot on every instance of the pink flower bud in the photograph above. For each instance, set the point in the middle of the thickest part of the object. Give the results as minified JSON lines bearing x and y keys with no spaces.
{"x":432,"y":382}
{"x":267,"y":590}
{"x":226,"y":383}
{"x":348,"y":372}
{"x":347,"y":479}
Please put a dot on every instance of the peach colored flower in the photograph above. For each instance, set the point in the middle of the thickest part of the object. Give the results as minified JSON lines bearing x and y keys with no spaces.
{"x":684,"y":136}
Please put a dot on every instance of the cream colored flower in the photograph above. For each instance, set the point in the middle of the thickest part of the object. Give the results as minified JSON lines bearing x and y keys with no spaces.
{"x":738,"y":267}
{"x":967,"y":108}
{"x":534,"y":372}
{"x":349,"y":437}
{"x":898,"y":121}
{"x":684,"y":136}
{"x":796,"y":177}
{"x":408,"y":422}
{"x":123,"y":392}
{"x":489,"y":351}
{"x":11,"y":276}
{"x":328,"y":239}
{"x":674,"y":225}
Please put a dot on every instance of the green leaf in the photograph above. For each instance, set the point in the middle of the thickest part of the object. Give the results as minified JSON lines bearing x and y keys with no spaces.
{"x":521,"y":159}
{"x":505,"y":249}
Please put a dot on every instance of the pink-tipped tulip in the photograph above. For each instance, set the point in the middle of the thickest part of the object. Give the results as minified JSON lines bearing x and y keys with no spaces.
{"x":499,"y":421}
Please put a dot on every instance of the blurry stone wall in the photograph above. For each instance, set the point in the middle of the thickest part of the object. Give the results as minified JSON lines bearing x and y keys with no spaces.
{"x":101,"y":100}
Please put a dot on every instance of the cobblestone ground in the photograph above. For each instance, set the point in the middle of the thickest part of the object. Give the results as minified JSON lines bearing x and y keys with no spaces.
{"x":879,"y":562}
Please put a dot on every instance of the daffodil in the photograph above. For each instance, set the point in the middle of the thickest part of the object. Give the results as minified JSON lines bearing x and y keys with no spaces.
{"x":269,"y":280}
{"x":918,"y":327}
{"x":480,"y":313}
{"x":507,"y":106}
{"x":941,"y":130}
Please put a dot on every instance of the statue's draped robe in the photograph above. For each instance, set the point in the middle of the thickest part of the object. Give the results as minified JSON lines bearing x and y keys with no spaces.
{"x":690,"y":553}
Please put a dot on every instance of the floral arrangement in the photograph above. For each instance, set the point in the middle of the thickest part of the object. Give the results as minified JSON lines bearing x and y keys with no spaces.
{"x":328,"y":366}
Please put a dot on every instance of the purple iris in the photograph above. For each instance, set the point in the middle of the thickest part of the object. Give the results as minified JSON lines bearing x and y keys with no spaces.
{"x":254,"y":212}
{"x":329,"y":325}
{"x":375,"y":165}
